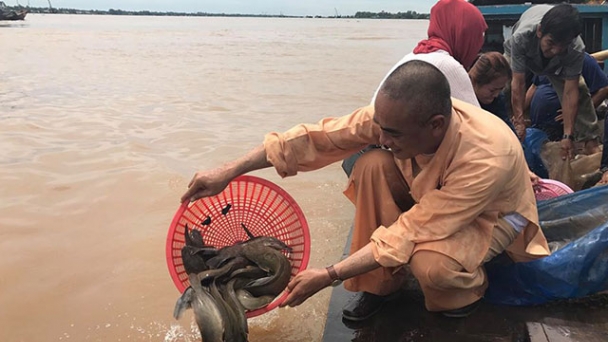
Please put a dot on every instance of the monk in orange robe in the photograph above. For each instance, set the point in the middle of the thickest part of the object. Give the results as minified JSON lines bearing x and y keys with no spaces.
{"x":451,"y":192}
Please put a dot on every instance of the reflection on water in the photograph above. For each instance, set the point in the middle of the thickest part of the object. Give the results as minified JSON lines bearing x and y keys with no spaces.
{"x":9,"y":24}
{"x":103,"y":121}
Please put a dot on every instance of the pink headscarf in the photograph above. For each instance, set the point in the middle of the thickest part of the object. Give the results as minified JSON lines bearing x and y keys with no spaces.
{"x":457,"y":27}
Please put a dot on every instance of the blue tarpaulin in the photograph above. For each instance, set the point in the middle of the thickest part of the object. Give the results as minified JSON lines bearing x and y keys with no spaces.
{"x":576,"y":225}
{"x":532,"y":145}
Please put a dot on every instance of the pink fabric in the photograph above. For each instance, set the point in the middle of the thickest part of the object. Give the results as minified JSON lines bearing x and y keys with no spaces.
{"x":457,"y":27}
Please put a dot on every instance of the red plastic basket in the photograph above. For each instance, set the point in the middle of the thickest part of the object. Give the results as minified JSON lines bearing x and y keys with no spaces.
{"x":549,"y":188}
{"x":262,"y":206}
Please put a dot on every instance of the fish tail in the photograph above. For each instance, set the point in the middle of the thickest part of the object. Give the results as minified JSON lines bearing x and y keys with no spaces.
{"x":187,"y":237}
{"x":183,"y":303}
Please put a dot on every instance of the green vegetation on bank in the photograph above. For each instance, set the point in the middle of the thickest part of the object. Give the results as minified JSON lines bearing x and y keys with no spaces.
{"x":388,"y":15}
{"x":358,"y":15}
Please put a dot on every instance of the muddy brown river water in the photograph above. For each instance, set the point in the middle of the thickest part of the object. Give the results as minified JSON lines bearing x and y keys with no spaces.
{"x":104,"y":120}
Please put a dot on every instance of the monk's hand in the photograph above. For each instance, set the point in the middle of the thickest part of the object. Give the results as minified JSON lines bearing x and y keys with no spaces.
{"x":567,"y":148}
{"x":304,"y":285}
{"x":206,"y":183}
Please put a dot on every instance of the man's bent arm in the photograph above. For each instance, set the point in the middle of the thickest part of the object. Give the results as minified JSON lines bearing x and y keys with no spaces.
{"x":255,"y":159}
{"x":518,"y":95}
{"x":570,"y":105}
{"x":360,"y":262}
{"x":529,"y":96}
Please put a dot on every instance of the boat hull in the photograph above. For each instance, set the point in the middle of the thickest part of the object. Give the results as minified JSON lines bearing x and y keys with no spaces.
{"x":13,"y":15}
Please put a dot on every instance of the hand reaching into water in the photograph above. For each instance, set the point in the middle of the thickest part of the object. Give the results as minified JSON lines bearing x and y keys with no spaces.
{"x":206,"y":183}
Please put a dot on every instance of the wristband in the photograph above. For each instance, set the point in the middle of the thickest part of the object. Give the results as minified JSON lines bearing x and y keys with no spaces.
{"x":568,"y":136}
{"x":335,"y":279}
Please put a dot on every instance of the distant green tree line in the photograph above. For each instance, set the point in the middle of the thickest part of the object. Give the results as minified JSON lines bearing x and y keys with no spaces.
{"x":112,"y":11}
{"x":388,"y":15}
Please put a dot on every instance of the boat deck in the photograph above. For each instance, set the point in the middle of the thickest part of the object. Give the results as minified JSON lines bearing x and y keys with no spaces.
{"x":406,"y":319}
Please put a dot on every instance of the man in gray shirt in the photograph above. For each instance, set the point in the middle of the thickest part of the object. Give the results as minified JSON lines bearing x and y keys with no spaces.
{"x":546,"y":42}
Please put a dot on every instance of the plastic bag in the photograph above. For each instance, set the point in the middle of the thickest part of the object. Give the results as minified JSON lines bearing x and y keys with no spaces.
{"x":532,"y":145}
{"x":576,"y":226}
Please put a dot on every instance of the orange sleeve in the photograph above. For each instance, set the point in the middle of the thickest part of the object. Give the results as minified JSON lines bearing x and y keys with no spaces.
{"x":312,"y":146}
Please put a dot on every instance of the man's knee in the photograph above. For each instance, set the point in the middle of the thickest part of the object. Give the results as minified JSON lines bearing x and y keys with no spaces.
{"x":432,"y":269}
{"x":373,"y":161}
{"x":379,"y":165}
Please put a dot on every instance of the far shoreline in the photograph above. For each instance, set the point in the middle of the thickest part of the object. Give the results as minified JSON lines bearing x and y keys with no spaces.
{"x":358,"y":15}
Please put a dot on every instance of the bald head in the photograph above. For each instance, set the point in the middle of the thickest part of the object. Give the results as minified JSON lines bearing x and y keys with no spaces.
{"x":422,"y":87}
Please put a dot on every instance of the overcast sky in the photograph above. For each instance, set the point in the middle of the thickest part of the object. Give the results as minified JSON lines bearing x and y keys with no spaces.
{"x":287,"y":7}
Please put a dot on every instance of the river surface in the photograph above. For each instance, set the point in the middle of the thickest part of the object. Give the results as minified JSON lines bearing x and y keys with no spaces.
{"x":103,"y":122}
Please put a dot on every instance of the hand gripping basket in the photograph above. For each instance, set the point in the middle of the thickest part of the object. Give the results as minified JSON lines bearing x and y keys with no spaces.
{"x":262,"y":206}
{"x":549,"y":188}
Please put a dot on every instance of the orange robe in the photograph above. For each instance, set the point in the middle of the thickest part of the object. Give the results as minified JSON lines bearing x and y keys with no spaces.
{"x":477,"y":175}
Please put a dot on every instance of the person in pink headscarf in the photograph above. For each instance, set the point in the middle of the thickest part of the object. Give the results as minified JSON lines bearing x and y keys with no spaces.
{"x":455,"y":37}
{"x":456,"y":27}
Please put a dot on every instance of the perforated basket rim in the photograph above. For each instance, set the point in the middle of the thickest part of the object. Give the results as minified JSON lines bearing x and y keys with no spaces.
{"x":554,"y":183}
{"x":252,"y":179}
{"x":550,"y":188}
